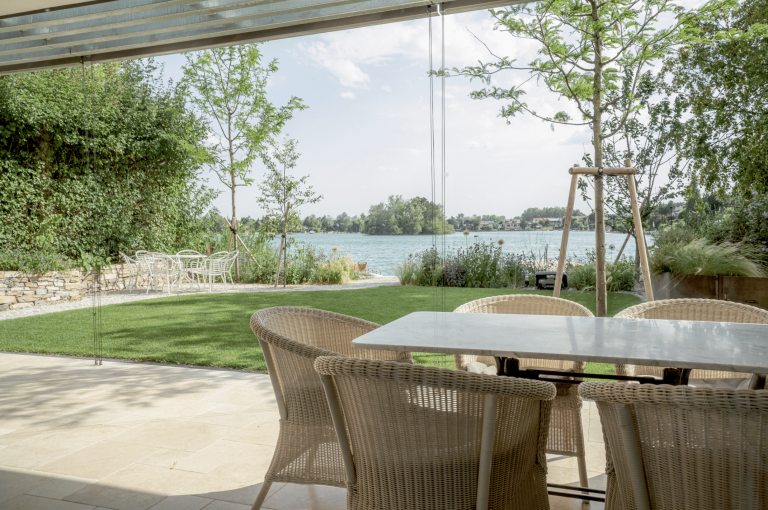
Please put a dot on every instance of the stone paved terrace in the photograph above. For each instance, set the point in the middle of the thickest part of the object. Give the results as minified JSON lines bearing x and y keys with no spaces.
{"x":135,"y":436}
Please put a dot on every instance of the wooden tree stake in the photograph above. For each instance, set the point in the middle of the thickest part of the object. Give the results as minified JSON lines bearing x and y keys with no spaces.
{"x":598,"y":173}
{"x":566,"y":231}
{"x":639,"y":235}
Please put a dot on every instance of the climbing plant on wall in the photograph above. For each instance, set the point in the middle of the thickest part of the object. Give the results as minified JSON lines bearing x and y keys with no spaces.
{"x":107,"y":159}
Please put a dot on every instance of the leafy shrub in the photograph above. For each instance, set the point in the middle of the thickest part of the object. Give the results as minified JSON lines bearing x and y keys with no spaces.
{"x":431,"y":271}
{"x":143,"y":171}
{"x":618,"y":277}
{"x":582,"y":277}
{"x":749,"y":223}
{"x":453,"y":274}
{"x":621,"y":276}
{"x":338,"y":270}
{"x":479,"y":265}
{"x":35,"y":262}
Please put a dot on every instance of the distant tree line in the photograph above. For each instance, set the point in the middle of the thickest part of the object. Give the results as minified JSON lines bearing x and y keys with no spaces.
{"x":398,"y":216}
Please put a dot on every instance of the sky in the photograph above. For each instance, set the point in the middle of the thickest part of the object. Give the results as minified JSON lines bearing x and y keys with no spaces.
{"x":366,"y":133}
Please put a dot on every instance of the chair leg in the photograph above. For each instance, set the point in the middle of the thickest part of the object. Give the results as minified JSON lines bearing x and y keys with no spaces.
{"x":583,"y":477}
{"x":262,"y":495}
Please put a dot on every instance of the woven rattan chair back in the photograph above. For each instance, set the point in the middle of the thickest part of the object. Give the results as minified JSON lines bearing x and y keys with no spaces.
{"x":291,"y":339}
{"x":417,"y":434}
{"x":523,"y":304}
{"x":707,"y":310}
{"x":683,"y":448}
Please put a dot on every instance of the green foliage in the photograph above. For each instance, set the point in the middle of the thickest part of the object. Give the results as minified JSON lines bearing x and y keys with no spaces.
{"x":304,"y":262}
{"x":593,"y":54}
{"x":479,"y":266}
{"x":724,"y":87}
{"x":406,"y":217}
{"x":106,"y":165}
{"x":546,"y":212}
{"x":282,"y":193}
{"x":36,"y":262}
{"x":620,"y":276}
{"x":648,"y":140}
{"x":699,"y":257}
{"x":748,"y":222}
{"x":407,"y":272}
{"x":230,"y":90}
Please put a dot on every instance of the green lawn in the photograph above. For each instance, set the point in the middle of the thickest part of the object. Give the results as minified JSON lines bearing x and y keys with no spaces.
{"x":213,"y":329}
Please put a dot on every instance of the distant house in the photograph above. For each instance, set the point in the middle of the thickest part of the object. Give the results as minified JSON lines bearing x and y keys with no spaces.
{"x":511,"y":224}
{"x":676,"y":210}
{"x":484,"y":223}
{"x":554,"y":221}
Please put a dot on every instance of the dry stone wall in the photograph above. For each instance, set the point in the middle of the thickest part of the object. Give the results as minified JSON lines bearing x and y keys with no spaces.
{"x":23,"y":290}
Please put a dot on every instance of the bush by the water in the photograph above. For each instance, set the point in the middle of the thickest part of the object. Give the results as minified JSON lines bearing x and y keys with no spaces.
{"x":480,"y":266}
{"x":619,"y":276}
{"x":304,"y":264}
{"x":487,"y":266}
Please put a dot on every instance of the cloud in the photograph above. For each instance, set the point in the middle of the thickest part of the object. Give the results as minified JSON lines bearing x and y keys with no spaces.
{"x":472,"y":144}
{"x":348,"y":95}
{"x":346,"y":54}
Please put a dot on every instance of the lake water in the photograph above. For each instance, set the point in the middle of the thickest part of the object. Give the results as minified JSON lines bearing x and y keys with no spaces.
{"x":385,"y":252}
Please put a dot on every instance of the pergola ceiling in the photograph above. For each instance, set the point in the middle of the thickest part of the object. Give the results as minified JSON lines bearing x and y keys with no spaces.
{"x":57,"y":33}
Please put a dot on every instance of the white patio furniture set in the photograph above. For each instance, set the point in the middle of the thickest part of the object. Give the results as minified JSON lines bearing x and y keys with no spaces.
{"x":187,"y":266}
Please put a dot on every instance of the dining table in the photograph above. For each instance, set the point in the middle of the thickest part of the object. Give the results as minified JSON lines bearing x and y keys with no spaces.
{"x":677,"y":345}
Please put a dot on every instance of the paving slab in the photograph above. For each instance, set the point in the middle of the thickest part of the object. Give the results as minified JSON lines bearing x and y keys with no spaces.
{"x":141,"y":436}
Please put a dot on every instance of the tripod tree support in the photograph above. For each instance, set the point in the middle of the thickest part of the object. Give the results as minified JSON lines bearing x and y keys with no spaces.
{"x":598,"y":173}
{"x":282,"y":244}
{"x":237,"y":236}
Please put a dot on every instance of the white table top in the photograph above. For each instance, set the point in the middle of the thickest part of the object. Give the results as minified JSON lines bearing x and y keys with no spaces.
{"x":682,"y":344}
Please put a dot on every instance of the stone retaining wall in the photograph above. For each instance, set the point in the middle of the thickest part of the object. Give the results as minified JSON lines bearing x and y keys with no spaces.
{"x":22,"y":290}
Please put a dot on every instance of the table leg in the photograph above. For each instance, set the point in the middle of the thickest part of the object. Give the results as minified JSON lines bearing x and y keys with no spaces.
{"x":676,"y":376}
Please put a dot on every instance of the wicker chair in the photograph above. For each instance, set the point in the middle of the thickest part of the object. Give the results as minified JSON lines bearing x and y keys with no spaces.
{"x":432,"y":438}
{"x":291,"y":339}
{"x":566,"y":436}
{"x":708,"y":310}
{"x":683,"y":448}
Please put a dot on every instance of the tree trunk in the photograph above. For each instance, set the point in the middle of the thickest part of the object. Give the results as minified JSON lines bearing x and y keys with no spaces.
{"x":233,"y":229}
{"x":598,"y":142}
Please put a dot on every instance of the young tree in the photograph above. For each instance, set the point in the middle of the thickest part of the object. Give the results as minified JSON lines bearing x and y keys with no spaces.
{"x":281,"y":193}
{"x":648,"y":138}
{"x":230,"y":88}
{"x":592,"y":53}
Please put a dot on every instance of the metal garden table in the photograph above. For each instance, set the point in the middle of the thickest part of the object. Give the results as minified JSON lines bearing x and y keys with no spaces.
{"x":684,"y":345}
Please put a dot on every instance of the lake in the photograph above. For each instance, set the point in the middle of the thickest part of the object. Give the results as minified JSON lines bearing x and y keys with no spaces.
{"x":385,"y":252}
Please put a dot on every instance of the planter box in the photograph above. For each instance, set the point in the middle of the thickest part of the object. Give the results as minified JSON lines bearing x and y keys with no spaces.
{"x":750,"y":291}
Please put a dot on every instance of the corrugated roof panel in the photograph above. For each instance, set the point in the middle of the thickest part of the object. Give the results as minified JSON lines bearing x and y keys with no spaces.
{"x":125,"y":29}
